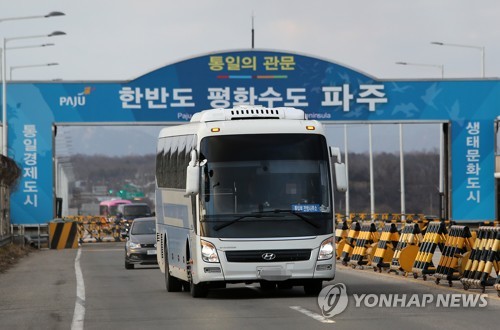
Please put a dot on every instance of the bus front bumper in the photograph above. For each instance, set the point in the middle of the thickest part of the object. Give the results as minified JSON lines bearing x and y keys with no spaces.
{"x":275,"y":272}
{"x":249,"y":270}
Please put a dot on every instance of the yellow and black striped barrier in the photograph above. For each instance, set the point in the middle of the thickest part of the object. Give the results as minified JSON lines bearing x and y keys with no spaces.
{"x":101,"y":231}
{"x":385,"y":247}
{"x":483,"y":259}
{"x":98,"y":228}
{"x":350,"y":241}
{"x":472,"y":257}
{"x":356,"y":217}
{"x":454,"y":254}
{"x":494,"y":223}
{"x":384,"y":217}
{"x":406,"y":249}
{"x":475,"y":256}
{"x":341,"y":233}
{"x":339,"y":218}
{"x":435,"y":236}
{"x":63,"y":235}
{"x":497,"y":285}
{"x":365,"y":245}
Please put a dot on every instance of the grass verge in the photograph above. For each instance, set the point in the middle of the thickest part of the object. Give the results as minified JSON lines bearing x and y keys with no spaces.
{"x":10,"y":254}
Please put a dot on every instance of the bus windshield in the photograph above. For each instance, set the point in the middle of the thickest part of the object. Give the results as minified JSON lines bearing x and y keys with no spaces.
{"x":265,"y":185}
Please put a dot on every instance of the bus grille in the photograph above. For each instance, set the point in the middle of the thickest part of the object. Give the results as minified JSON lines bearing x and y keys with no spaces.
{"x":268,"y":255}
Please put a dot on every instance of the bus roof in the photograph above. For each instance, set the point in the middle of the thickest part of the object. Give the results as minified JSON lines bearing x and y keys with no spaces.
{"x":246,"y":119}
{"x":248,"y":112}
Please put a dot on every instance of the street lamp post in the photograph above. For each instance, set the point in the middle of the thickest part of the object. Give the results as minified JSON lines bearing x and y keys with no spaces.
{"x":480,"y":48}
{"x":51,"y":14}
{"x":439,"y":66}
{"x":23,"y":47}
{"x":31,"y":46}
{"x":4,"y":81}
{"x":4,"y":110}
{"x":4,"y":190}
{"x":12,"y":68}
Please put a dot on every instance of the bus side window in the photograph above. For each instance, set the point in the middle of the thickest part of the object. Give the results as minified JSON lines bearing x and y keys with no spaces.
{"x":181,"y":161}
{"x":173,"y":175}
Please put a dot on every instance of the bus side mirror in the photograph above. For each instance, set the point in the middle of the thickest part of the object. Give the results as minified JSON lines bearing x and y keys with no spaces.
{"x":340,"y":170}
{"x":193,"y":175}
{"x":340,"y":177}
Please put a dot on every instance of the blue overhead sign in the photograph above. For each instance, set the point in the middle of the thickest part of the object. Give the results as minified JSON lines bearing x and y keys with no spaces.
{"x":326,"y":91}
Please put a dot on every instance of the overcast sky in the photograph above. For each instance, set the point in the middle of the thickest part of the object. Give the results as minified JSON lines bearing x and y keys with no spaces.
{"x":118,"y":40}
{"x":123,"y":39}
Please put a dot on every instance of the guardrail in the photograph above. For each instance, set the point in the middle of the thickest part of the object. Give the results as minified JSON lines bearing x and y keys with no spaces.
{"x":61,"y":232}
{"x":36,"y":236}
{"x":4,"y":240}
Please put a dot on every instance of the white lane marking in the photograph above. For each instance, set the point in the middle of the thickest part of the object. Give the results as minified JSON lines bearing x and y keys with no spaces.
{"x":313,"y":315}
{"x":79,"y":314}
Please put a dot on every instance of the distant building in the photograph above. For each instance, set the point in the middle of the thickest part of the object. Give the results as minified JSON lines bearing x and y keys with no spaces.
{"x":99,"y":190}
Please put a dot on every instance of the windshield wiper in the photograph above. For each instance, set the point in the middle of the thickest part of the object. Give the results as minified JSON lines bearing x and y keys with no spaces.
{"x":298,"y":215}
{"x":224,"y":225}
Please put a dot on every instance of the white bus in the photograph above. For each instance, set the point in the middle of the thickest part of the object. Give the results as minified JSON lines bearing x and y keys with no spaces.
{"x":245,"y":195}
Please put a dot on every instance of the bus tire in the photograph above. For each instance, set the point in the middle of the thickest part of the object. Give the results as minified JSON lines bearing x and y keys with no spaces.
{"x":285,"y":286}
{"x":313,"y":287}
{"x":199,"y":290}
{"x":267,"y":286}
{"x":172,"y":283}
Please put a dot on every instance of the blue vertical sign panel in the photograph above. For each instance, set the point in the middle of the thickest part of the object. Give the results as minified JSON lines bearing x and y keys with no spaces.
{"x":327,"y":91}
{"x":473,"y":165}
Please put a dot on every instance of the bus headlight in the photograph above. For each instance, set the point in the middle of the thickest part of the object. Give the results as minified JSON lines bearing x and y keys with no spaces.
{"x":208,"y":252}
{"x":326,"y":249}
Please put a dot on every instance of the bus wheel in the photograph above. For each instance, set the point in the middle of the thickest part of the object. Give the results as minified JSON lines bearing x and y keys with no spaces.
{"x":285,"y":286}
{"x":313,"y":287}
{"x":172,"y":284}
{"x":199,"y":290}
{"x":267,"y":286}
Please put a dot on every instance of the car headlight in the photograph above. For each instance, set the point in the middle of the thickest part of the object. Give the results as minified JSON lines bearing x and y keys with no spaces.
{"x":326,"y":249}
{"x":134,"y":245}
{"x":208,"y":252}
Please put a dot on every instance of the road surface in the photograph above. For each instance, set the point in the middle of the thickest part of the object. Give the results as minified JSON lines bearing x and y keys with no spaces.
{"x":42,"y":290}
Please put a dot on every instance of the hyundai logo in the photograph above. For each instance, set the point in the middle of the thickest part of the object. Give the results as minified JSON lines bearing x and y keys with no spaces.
{"x":268,"y":256}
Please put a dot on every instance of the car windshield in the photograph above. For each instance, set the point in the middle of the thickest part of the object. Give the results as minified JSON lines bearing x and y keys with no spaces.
{"x":264,"y":175}
{"x":143,"y":227}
